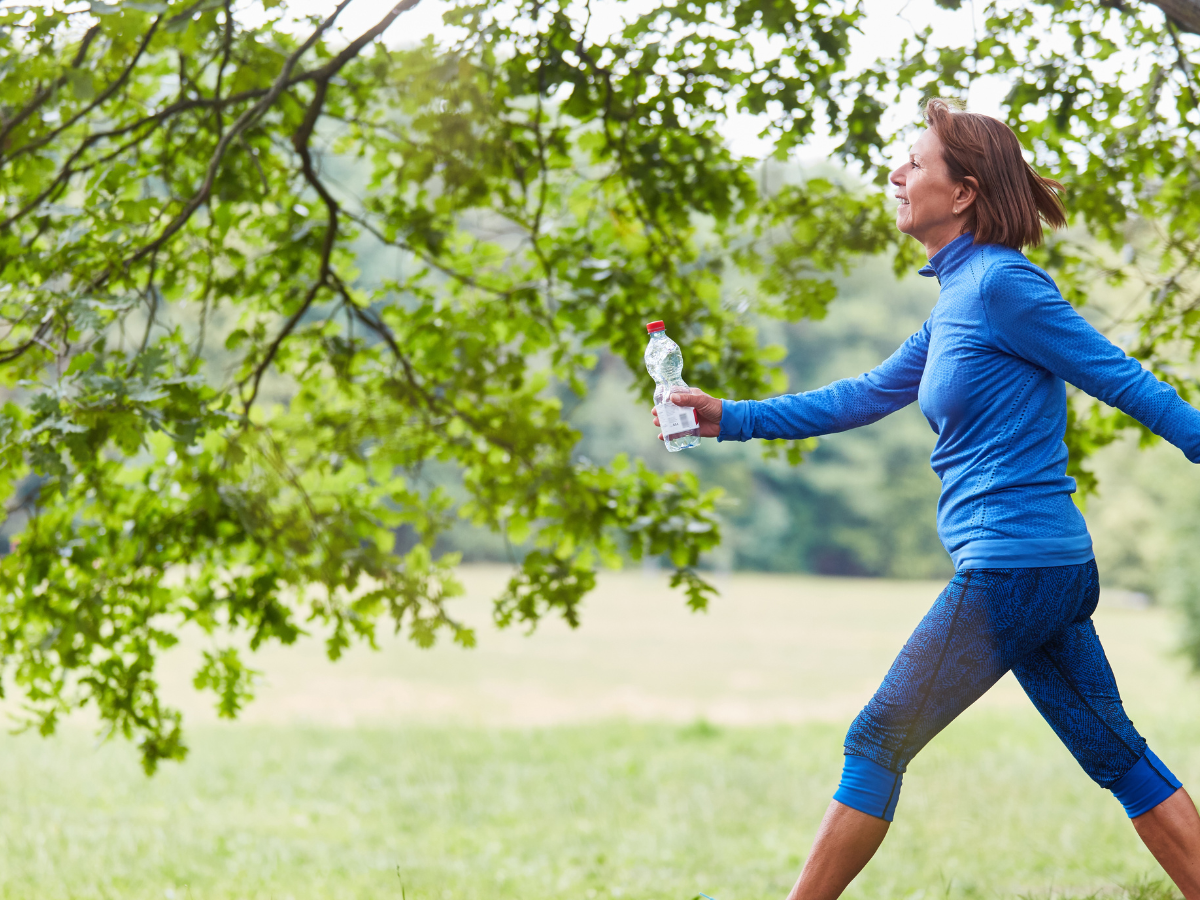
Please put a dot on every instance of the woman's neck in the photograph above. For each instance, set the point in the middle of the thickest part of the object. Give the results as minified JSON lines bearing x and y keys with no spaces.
{"x":934,"y":245}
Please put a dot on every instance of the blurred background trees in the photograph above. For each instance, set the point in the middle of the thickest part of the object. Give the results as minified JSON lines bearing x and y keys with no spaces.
{"x":291,"y":319}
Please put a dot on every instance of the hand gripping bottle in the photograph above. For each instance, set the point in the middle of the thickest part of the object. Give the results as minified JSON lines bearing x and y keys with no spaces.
{"x":664,"y":362}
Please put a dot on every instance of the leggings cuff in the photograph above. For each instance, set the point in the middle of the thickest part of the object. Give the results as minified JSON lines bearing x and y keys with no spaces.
{"x":1145,"y":786}
{"x":869,"y":787}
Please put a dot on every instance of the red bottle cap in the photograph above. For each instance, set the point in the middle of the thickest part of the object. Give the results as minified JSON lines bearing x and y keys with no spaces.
{"x":655,"y":326}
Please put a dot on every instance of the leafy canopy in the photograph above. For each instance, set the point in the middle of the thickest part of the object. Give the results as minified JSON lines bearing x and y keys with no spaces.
{"x":214,"y":419}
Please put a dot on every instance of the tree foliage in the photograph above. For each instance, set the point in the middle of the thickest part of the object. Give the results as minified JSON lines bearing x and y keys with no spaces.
{"x":213,"y":420}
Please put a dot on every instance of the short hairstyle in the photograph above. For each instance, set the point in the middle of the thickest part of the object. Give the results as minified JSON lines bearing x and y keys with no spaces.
{"x":1013,"y":199}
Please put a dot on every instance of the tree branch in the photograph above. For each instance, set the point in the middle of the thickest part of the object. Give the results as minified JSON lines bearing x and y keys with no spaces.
{"x":377,"y":326}
{"x":248,"y":117}
{"x":179,"y":106}
{"x":432,"y":261}
{"x":244,"y":121}
{"x":226,"y":49}
{"x":45,"y":93}
{"x":100,"y":99}
{"x":300,"y":141}
{"x":1181,"y":61}
{"x":1185,"y":13}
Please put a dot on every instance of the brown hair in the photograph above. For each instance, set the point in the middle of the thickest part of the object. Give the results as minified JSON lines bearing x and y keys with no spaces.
{"x":1012,"y":198}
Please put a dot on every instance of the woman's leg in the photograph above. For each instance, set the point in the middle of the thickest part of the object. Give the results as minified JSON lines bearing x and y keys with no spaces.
{"x":1069,"y":680}
{"x":845,"y":842}
{"x":970,"y":637}
{"x":1171,"y":831}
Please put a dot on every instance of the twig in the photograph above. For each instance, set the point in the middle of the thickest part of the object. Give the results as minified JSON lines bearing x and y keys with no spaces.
{"x":300,"y":142}
{"x":45,"y":93}
{"x":1182,"y":62}
{"x":100,"y":98}
{"x":244,"y":121}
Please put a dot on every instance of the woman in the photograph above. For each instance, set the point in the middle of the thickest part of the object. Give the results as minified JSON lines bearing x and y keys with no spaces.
{"x":988,"y":370}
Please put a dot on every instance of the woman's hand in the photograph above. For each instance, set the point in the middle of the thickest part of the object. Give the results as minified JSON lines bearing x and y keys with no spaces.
{"x":708,"y":410}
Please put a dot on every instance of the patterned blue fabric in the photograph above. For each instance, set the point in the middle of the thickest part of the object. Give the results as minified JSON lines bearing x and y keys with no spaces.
{"x":1034,"y":621}
{"x":988,"y":369}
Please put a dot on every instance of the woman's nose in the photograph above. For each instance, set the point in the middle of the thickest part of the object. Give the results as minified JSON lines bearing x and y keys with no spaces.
{"x":897,"y":176}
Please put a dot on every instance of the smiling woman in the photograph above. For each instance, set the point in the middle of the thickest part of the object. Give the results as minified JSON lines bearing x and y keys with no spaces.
{"x":965,"y":173}
{"x":989,"y":370}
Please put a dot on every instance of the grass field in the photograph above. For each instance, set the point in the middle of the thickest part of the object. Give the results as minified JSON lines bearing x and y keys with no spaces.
{"x":651,"y":754}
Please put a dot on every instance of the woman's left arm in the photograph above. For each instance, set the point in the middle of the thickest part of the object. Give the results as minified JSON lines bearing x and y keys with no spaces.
{"x":1029,"y":318}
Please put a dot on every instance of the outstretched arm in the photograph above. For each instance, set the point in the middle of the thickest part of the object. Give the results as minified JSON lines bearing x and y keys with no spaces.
{"x":1029,"y":318}
{"x":840,"y":406}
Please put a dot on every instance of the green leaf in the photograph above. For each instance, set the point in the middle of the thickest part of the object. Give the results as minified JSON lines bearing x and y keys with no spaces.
{"x":82,"y":85}
{"x":81,"y":363}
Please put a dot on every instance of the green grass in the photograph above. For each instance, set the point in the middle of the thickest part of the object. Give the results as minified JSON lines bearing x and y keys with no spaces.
{"x":994,"y":809}
{"x":422,"y":776}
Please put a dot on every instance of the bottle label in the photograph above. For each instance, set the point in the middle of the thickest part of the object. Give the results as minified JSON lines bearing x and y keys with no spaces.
{"x":677,"y":420}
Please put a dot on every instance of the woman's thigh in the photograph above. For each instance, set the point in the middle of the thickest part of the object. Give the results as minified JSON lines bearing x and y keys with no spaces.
{"x":1069,"y":680}
{"x":984,"y":622}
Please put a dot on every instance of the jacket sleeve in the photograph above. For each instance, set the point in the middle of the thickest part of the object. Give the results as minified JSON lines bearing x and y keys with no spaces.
{"x":1029,"y":318}
{"x":839,"y":406}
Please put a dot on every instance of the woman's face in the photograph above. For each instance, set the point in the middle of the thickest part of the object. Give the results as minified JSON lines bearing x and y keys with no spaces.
{"x":932,"y":207}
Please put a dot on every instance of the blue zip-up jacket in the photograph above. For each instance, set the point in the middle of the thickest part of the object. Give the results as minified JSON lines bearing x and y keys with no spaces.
{"x":988,"y":368}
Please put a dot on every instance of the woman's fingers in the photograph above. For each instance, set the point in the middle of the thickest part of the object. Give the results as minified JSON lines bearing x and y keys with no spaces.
{"x":708,"y":410}
{"x":706,"y":407}
{"x":657,"y":424}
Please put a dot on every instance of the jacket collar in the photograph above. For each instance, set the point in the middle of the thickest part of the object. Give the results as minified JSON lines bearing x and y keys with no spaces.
{"x":950,"y":258}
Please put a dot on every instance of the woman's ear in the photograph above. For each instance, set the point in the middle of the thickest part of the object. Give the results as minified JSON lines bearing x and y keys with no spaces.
{"x":965,"y":194}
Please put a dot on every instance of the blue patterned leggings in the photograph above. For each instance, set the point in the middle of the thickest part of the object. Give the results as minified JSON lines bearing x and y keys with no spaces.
{"x":1036,"y":622}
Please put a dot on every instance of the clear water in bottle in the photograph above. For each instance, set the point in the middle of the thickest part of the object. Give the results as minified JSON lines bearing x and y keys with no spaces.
{"x":664,"y":362}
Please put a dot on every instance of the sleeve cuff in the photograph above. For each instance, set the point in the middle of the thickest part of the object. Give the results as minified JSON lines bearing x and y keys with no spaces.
{"x":737,"y":422}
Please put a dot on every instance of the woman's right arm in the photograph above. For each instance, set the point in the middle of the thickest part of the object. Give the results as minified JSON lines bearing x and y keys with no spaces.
{"x":840,"y":406}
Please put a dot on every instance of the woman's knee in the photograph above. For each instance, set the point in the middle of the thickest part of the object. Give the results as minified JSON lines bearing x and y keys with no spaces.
{"x":869,"y":787}
{"x":1147,"y":784}
{"x":880,"y":739}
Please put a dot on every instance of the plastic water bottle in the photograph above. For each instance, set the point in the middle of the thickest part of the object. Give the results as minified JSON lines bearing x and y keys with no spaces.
{"x":664,"y":362}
